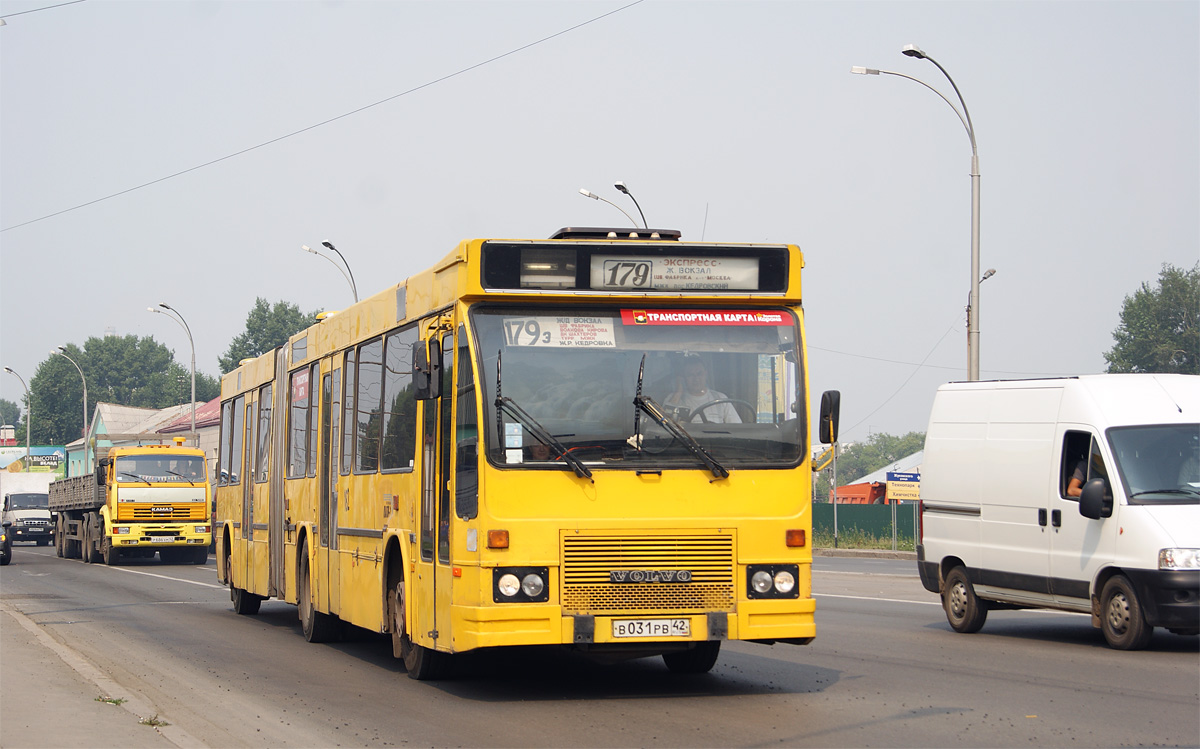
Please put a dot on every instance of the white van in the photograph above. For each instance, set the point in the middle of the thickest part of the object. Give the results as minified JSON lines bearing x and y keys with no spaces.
{"x":1080,"y":494}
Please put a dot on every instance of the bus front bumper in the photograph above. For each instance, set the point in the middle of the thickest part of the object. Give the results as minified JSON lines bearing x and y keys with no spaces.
{"x":763,"y":621}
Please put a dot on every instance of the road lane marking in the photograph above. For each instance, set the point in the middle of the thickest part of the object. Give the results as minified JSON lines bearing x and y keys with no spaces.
{"x":168,"y":577}
{"x":873,"y":598}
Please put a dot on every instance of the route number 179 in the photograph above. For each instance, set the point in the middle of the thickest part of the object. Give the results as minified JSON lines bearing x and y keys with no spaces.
{"x":626,"y":274}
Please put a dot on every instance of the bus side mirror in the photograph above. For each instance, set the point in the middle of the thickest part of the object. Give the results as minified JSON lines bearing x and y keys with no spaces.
{"x":831,"y":406}
{"x":427,"y":370}
{"x":1096,"y":500}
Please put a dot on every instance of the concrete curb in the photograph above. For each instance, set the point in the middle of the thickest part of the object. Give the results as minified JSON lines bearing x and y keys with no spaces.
{"x":866,"y":553}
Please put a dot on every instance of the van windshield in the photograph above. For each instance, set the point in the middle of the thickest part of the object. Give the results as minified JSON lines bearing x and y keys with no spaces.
{"x":1158,"y":464}
{"x":30,"y":501}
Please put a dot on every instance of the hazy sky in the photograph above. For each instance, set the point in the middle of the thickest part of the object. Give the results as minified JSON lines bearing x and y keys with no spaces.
{"x":731,"y":121}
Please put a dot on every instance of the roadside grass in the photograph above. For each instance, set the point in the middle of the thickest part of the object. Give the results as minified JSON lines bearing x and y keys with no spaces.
{"x":111,"y":700}
{"x":854,"y":538}
{"x":153,"y":721}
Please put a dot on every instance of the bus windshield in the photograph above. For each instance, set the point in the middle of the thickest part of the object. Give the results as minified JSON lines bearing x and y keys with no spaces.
{"x":730,"y":378}
{"x":160,"y":468}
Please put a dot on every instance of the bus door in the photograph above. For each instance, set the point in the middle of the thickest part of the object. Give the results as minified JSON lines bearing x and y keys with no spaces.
{"x":327,"y":490}
{"x":257,"y":527}
{"x":276,"y":508}
{"x":247,"y":521}
{"x":430,"y":587}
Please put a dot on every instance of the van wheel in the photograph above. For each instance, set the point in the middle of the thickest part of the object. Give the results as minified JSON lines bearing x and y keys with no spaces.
{"x":965,"y":612}
{"x":1121,"y":617}
{"x":697,"y":660}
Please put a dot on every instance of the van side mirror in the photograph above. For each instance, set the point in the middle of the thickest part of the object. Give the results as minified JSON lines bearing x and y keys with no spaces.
{"x":427,"y":370}
{"x":1096,"y":500}
{"x":831,"y":406}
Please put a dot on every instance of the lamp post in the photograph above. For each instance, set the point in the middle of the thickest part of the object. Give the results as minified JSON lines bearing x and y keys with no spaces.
{"x":622,"y":188}
{"x":353,"y":286}
{"x":353,"y":290}
{"x":62,"y":351}
{"x":589,"y":194}
{"x":911,"y":50}
{"x":178,"y":318}
{"x":28,"y":413}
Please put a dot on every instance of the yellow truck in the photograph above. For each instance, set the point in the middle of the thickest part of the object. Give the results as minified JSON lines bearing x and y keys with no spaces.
{"x":140,"y":500}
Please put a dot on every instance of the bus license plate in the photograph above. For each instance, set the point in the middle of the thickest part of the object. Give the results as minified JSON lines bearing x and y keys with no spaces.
{"x":652,"y":628}
{"x":162,"y":539}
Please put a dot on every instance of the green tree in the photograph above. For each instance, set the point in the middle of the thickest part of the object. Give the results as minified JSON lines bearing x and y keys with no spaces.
{"x":1158,"y":330}
{"x":267,"y":327}
{"x":861,"y":458}
{"x":10,"y":413}
{"x":125,"y":370}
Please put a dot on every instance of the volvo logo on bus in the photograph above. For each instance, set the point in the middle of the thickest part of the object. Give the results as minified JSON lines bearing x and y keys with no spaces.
{"x":650,"y":576}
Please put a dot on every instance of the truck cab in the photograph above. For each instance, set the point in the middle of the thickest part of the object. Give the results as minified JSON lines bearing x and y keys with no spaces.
{"x":29,"y":514}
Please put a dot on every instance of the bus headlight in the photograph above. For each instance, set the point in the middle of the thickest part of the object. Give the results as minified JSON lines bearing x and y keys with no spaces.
{"x":520,"y":584}
{"x":772,"y":581}
{"x":1179,"y":559}
{"x":508,"y":585}
{"x":532,"y":585}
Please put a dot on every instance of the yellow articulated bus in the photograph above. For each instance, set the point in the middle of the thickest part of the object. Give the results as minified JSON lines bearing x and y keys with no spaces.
{"x":596,"y":441}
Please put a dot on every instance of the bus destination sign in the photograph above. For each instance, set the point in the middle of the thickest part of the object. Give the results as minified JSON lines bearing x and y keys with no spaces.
{"x":625,"y":273}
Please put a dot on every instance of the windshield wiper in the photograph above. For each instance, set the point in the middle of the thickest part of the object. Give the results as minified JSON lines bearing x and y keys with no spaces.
{"x":655,"y":411}
{"x":135,"y":475}
{"x":185,"y":478}
{"x":509,"y":406}
{"x":1165,"y":491}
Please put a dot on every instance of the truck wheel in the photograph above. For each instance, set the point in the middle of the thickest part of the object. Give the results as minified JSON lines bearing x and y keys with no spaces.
{"x":43,"y":542}
{"x":317,"y":626}
{"x":698,"y":660}
{"x":91,"y":549}
{"x":1121,"y":617}
{"x":86,"y":545}
{"x":110,"y":553}
{"x":58,"y":536}
{"x":965,"y":612}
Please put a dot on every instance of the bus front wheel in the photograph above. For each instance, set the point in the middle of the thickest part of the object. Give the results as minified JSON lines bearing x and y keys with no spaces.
{"x":421,"y":662}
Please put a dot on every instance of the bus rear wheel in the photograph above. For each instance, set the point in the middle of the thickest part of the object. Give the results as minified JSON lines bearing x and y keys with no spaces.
{"x":244,"y":602}
{"x":317,"y":626}
{"x":697,"y":660}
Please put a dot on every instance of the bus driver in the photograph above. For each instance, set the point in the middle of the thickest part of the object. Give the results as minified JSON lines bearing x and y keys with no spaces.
{"x":692,"y":393}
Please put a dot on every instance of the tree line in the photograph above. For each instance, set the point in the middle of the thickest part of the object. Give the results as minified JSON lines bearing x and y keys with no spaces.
{"x":138,"y":372}
{"x":1158,"y":332}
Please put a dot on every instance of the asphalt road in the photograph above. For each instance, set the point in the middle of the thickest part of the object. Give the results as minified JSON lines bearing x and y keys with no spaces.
{"x":885,"y":670}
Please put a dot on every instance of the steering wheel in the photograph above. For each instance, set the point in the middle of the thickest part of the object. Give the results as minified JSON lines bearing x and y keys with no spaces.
{"x":737,"y":406}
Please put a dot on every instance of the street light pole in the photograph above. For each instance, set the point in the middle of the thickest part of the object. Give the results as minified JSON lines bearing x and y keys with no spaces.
{"x":349,"y":281}
{"x":28,"y":413}
{"x":622,"y":188}
{"x":178,"y":318}
{"x":353,"y":285}
{"x":911,"y":50}
{"x":589,"y":194}
{"x":62,"y":351}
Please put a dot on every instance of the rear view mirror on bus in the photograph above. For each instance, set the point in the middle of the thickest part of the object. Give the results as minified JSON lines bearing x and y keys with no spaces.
{"x":427,"y":374}
{"x":831,"y":405}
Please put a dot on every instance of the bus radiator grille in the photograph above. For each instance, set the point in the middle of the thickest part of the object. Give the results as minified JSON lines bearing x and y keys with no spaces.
{"x":589,"y":562}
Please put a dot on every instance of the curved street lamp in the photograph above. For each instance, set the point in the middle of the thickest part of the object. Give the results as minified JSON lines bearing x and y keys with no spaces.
{"x":589,"y":194}
{"x":622,"y":188}
{"x":28,"y":413}
{"x":349,"y":280}
{"x":912,"y":50}
{"x":178,"y":318}
{"x":62,"y":351}
{"x":354,"y":286}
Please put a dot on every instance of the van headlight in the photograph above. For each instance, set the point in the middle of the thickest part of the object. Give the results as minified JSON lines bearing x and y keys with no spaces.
{"x":520,"y":584}
{"x":1179,"y":559}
